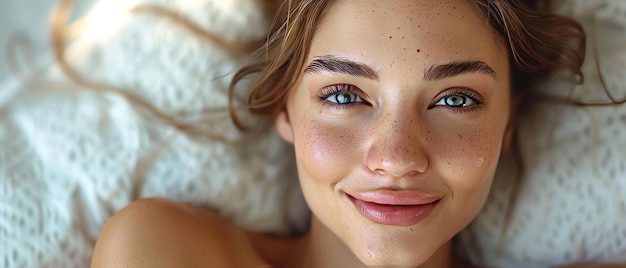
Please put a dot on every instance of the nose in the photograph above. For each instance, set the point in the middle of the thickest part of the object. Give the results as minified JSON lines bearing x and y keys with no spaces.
{"x":397,"y":146}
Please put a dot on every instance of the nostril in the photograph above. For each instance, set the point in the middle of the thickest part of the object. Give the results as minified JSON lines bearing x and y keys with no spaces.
{"x":379,"y":171}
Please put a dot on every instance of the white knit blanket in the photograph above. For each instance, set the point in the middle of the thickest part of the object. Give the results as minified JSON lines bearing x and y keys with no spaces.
{"x":71,"y":157}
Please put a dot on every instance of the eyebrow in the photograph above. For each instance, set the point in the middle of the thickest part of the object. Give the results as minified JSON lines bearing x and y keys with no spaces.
{"x":438,"y":72}
{"x":334,"y":64}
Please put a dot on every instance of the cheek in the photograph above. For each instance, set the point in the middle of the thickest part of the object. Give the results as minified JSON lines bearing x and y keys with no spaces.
{"x":467,"y":160}
{"x":325,"y":152}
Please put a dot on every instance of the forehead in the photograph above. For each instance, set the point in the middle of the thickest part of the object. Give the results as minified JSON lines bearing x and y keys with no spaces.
{"x":417,"y":31}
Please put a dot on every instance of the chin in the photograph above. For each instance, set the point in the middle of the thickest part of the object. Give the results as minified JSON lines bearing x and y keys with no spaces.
{"x":394,"y":256}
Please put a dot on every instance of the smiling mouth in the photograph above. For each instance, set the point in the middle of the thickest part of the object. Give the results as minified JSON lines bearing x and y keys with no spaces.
{"x":390,"y":214}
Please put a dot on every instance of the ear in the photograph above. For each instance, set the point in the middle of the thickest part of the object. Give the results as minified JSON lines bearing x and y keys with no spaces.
{"x":283,"y":125}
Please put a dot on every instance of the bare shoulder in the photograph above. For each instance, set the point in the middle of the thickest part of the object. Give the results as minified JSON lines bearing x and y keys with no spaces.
{"x":163,"y":233}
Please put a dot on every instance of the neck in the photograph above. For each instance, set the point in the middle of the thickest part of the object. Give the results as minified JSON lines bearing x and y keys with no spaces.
{"x":324,"y":249}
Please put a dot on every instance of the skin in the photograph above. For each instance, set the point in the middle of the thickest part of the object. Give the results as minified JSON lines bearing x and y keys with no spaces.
{"x":399,"y":138}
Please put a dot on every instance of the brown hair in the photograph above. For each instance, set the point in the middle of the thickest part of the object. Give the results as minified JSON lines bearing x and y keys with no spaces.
{"x":279,"y":62}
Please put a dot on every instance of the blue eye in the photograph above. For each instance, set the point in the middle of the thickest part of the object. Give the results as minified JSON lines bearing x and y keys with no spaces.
{"x":344,"y":98}
{"x":456,"y":100}
{"x":341,"y":94}
{"x":460,"y":99}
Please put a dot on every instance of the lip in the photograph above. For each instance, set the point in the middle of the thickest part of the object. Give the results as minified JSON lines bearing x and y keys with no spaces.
{"x":393,"y":207}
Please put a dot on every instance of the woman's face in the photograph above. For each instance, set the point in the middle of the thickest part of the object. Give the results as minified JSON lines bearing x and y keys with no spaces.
{"x":398,"y":121}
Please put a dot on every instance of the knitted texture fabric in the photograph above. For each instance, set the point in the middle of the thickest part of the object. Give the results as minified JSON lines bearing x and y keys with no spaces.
{"x":70,"y":157}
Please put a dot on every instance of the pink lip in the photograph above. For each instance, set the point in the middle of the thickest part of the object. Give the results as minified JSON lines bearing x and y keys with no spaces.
{"x":394,"y":208}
